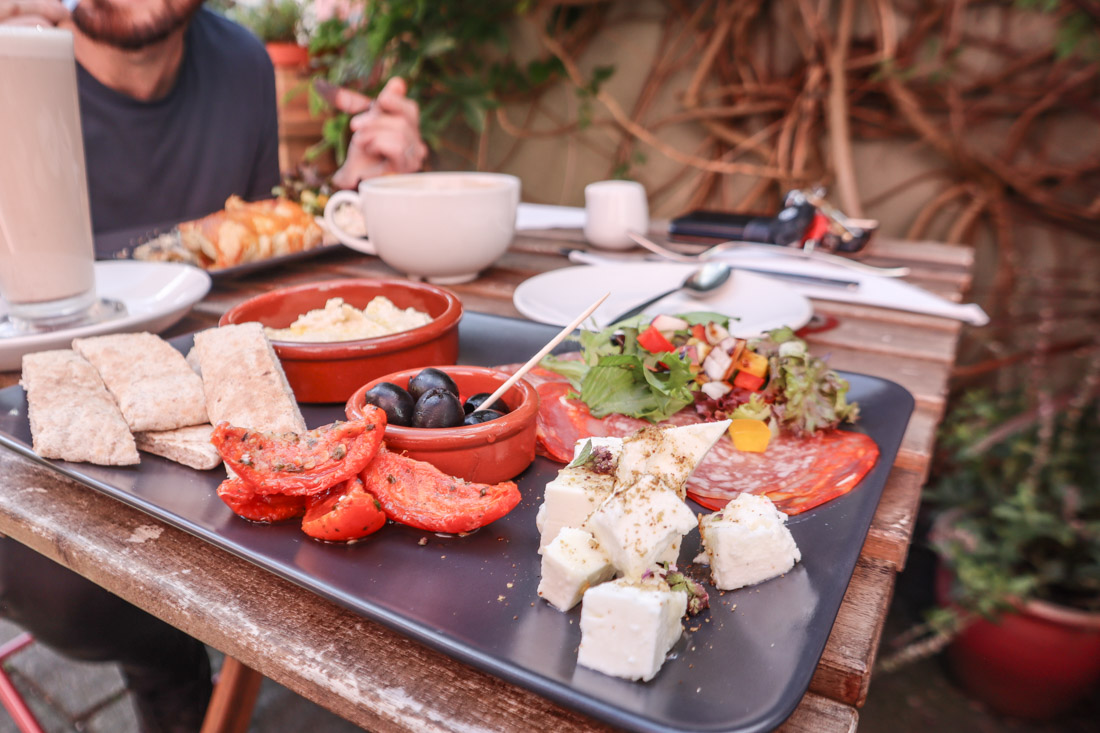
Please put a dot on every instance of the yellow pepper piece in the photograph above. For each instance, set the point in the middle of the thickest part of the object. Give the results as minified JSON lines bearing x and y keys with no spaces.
{"x":751,"y":436}
{"x":753,"y":363}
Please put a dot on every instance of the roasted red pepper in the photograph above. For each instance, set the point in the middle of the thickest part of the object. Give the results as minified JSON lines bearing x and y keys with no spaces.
{"x":301,"y":464}
{"x":344,"y":512}
{"x":420,"y":495}
{"x":242,"y":498}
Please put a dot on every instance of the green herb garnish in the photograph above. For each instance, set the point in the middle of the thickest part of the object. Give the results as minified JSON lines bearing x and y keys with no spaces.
{"x":584,"y":456}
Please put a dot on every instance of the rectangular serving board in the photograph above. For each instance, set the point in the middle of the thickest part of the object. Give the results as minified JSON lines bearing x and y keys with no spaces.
{"x":743,"y":665}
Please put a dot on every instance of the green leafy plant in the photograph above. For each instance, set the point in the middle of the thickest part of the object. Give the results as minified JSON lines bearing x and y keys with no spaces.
{"x":271,"y":20}
{"x":1024,"y":491}
{"x":455,"y":57}
{"x":1017,"y":501}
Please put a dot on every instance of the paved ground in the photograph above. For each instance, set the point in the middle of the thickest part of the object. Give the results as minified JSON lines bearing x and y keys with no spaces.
{"x":922,"y":697}
{"x":71,"y":697}
{"x":76,"y":697}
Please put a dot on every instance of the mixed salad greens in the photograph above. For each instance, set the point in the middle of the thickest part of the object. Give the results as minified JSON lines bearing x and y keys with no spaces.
{"x":653,"y":368}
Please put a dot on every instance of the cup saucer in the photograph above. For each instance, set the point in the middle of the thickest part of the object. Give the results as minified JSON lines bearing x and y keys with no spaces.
{"x":155,"y":295}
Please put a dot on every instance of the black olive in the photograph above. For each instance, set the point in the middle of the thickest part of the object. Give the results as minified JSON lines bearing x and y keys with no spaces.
{"x":396,"y":402}
{"x":476,"y":418}
{"x":474,"y":402}
{"x":437,"y":408}
{"x":431,"y":378}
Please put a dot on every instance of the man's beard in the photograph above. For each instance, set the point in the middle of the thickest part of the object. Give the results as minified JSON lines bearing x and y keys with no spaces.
{"x":103,"y":22}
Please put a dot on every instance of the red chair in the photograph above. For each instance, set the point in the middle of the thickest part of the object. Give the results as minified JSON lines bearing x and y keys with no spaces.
{"x":230,"y":709}
{"x":10,"y":698}
{"x":235,"y":692}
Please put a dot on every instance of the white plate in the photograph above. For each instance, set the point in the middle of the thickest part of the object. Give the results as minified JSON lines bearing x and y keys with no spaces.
{"x":760,"y":303}
{"x":156,"y":295}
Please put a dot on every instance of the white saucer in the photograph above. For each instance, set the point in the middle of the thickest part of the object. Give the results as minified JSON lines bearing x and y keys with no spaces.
{"x":761,"y":303}
{"x":156,"y":296}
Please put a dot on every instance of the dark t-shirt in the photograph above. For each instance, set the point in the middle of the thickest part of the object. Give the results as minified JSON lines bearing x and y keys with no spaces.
{"x":214,"y":134}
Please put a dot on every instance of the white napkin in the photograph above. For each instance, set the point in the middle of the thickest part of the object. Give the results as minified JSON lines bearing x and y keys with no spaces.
{"x":883,"y":292}
{"x":544,"y":216}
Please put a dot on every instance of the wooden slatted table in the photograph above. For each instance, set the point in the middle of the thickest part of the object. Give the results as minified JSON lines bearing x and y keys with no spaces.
{"x":383,"y":681}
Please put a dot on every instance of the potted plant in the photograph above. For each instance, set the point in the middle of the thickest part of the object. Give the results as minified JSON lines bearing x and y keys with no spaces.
{"x":278,"y":23}
{"x":1017,"y":530}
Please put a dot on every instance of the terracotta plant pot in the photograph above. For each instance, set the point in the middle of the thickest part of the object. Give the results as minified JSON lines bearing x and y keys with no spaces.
{"x":1035,"y":663}
{"x":287,"y":55}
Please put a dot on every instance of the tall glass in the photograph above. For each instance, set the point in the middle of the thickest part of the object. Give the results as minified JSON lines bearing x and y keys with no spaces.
{"x":47,"y":254}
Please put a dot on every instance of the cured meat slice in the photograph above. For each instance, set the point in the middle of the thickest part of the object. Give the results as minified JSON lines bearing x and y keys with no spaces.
{"x":796,"y":473}
{"x":562,"y":421}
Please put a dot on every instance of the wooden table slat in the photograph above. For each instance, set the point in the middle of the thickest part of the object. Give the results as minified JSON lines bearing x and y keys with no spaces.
{"x":893,"y":339}
{"x":817,"y":714}
{"x":844,"y":672}
{"x":891,"y":530}
{"x":918,"y":442}
{"x":940,"y":253}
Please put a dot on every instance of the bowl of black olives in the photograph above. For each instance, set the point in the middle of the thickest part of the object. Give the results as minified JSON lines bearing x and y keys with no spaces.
{"x":433,"y":415}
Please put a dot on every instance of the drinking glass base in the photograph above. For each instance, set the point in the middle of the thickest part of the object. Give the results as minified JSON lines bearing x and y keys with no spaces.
{"x":102,"y":310}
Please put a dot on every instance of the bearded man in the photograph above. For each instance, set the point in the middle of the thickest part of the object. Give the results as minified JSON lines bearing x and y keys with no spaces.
{"x":178,"y":112}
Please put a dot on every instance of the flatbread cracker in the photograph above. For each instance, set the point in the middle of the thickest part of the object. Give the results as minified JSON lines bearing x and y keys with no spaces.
{"x":244,"y":381}
{"x":72,"y":415}
{"x":151,"y":382}
{"x":190,"y":446}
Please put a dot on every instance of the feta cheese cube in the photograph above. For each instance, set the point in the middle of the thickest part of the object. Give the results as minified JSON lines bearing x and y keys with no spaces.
{"x":639,"y":524}
{"x":627,"y":627}
{"x":747,"y":542}
{"x":574,"y":494}
{"x":669,"y":454}
{"x":571,"y":564}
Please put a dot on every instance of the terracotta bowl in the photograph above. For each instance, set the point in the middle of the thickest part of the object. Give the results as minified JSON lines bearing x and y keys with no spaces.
{"x":330,"y":372}
{"x":488,"y":453}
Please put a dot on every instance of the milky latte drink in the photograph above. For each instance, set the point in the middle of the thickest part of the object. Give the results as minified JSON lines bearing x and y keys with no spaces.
{"x":46,"y":249}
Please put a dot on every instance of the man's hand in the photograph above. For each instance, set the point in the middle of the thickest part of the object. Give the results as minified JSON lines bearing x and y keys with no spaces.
{"x":32,"y":12}
{"x":385,"y":134}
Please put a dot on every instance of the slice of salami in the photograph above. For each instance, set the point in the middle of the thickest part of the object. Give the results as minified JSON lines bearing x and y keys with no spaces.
{"x":561,"y":422}
{"x":796,"y":473}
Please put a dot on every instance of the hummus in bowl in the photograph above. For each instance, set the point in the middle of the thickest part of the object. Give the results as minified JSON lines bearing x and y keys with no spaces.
{"x":324,"y":371}
{"x":341,"y":321}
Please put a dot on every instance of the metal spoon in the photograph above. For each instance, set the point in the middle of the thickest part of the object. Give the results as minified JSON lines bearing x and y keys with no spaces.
{"x":788,"y":251}
{"x":706,"y":278}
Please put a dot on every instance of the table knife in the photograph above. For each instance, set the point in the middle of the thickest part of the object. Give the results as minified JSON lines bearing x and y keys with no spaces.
{"x":588,"y":258}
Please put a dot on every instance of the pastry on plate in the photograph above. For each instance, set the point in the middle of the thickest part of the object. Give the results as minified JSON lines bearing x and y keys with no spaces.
{"x":241,"y":233}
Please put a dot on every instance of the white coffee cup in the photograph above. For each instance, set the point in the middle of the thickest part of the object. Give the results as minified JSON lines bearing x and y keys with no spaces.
{"x":442,"y":227}
{"x":47,"y":254}
{"x":612,"y":210}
